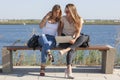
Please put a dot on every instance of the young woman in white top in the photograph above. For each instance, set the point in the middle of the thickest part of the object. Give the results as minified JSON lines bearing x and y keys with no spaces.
{"x":49,"y":26}
{"x":71,"y":25}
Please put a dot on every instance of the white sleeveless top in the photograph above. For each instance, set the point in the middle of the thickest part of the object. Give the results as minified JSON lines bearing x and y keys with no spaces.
{"x":50,"y":28}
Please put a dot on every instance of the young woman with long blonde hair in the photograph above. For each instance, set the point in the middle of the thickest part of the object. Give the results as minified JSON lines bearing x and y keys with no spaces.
{"x":71,"y":25}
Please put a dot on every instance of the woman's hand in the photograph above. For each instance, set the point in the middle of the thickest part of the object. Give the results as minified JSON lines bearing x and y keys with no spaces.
{"x":49,"y":14}
{"x":43,"y":22}
{"x":72,"y":41}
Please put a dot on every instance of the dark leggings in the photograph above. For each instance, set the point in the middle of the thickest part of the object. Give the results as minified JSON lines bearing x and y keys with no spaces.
{"x":71,"y":53}
{"x":79,"y":42}
{"x":70,"y":56}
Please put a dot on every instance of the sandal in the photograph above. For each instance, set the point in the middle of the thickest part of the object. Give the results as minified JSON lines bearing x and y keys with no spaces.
{"x":42,"y":71}
{"x":68,"y":75}
{"x":51,"y":58}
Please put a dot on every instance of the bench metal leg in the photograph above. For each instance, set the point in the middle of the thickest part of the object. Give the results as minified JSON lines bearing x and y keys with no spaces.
{"x":7,"y":65}
{"x":108,"y":61}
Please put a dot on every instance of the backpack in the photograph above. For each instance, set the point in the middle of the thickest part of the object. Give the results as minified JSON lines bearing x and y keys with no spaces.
{"x":86,"y":40}
{"x":33,"y":42}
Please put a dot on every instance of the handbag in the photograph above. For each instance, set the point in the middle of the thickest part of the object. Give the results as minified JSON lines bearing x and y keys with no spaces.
{"x":86,"y":40}
{"x":33,"y":42}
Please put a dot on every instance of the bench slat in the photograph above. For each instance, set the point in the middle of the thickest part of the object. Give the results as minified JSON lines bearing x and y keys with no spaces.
{"x":93,"y":47}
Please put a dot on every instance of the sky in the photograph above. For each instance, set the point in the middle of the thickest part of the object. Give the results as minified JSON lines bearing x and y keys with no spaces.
{"x":37,"y":9}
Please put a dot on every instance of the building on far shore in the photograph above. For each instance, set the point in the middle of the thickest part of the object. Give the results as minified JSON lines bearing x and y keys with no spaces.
{"x":4,"y":20}
{"x":116,"y":20}
{"x":89,"y":20}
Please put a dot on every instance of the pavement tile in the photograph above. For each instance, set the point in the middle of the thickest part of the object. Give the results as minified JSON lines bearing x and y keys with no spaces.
{"x":112,"y":77}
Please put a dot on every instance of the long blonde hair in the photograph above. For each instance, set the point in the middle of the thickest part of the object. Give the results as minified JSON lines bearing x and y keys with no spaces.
{"x":75,"y":16}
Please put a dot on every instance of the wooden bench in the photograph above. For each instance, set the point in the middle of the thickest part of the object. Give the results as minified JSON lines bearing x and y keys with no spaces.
{"x":108,"y":55}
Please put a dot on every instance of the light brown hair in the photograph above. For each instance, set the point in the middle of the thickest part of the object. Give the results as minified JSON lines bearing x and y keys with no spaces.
{"x":55,"y":8}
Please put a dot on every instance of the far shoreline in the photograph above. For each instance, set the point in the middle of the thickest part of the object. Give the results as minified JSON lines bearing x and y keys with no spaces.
{"x":38,"y":24}
{"x":37,"y":21}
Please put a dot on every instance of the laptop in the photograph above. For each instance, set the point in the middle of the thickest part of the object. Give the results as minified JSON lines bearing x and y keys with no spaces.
{"x":63,"y":39}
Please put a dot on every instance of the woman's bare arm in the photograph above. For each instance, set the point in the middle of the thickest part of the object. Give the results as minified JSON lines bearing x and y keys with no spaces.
{"x":43,"y":22}
{"x":77,"y":33}
{"x":60,"y":28}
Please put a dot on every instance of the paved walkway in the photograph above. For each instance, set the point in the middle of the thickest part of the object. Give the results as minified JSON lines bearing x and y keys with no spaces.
{"x":57,"y":73}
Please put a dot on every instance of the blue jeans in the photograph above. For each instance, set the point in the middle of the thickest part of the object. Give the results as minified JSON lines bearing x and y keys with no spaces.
{"x":47,"y":42}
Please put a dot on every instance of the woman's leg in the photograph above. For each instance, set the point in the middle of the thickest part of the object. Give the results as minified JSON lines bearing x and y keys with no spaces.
{"x":45,"y":46}
{"x":50,"y":40}
{"x":70,"y":56}
{"x":43,"y":60}
{"x":78,"y":43}
{"x":69,"y":59}
{"x":52,"y":44}
{"x":44,"y":39}
{"x":47,"y":43}
{"x":44,"y":54}
{"x":63,"y":51}
{"x":65,"y":46}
